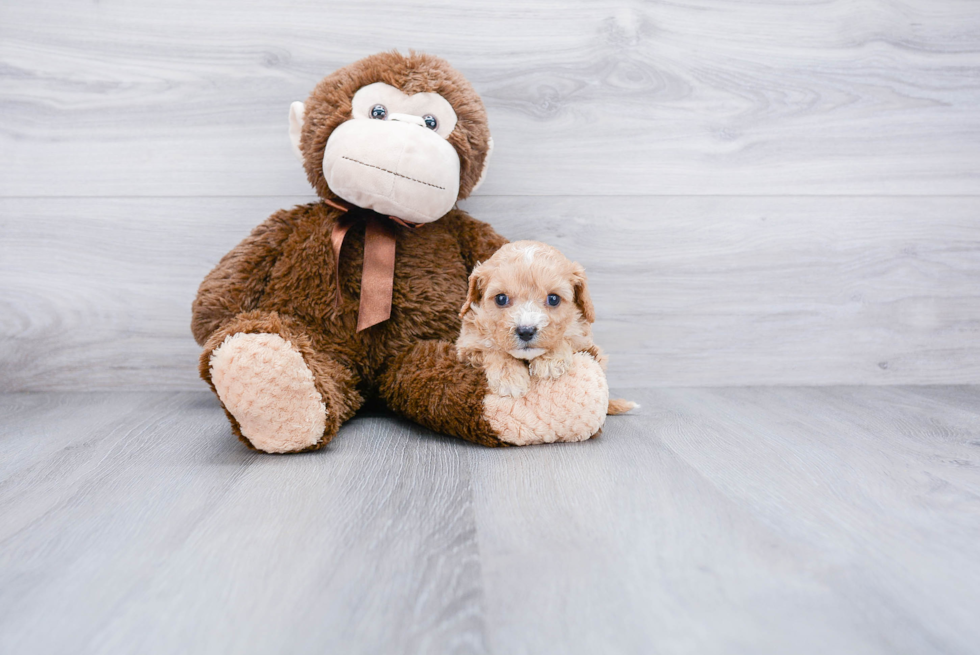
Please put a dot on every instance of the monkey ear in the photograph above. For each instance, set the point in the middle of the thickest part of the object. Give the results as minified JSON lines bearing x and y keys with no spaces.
{"x":486,"y":160}
{"x":475,"y":293}
{"x":297,"y":111}
{"x":582,"y":297}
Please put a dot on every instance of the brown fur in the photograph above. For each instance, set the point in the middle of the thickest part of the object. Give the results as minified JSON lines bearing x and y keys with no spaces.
{"x":526,"y":273}
{"x":330,"y":105}
{"x":281,"y":279}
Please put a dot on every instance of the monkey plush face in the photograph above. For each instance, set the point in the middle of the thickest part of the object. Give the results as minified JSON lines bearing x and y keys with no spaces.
{"x":402,"y":135}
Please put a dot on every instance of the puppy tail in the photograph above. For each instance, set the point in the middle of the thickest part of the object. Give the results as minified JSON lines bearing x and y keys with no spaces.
{"x":620,"y":406}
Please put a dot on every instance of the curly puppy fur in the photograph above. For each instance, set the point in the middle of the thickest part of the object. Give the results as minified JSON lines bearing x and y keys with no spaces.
{"x":527,"y":311}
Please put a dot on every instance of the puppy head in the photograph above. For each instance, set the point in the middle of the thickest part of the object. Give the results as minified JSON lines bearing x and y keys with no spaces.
{"x":526,"y":300}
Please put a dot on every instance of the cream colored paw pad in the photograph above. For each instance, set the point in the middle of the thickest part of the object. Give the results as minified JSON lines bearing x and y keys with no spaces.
{"x":265,"y":384}
{"x":569,"y":408}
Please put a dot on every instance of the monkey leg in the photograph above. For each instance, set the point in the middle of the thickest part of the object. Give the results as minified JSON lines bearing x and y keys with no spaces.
{"x":280,"y":394}
{"x":429,"y":385}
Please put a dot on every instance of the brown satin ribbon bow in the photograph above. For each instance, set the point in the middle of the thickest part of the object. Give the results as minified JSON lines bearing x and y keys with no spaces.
{"x":378,"y":272}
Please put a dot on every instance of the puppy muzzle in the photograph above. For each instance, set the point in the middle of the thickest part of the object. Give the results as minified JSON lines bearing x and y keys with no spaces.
{"x":524,"y":336}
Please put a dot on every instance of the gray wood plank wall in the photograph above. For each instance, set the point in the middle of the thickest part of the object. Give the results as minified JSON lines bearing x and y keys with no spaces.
{"x":763,"y":192}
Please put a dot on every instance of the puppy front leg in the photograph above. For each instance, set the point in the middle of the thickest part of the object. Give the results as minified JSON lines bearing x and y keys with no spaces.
{"x":552,"y":364}
{"x":506,"y":376}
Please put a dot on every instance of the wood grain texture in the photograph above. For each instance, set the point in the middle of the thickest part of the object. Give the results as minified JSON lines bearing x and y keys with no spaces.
{"x":96,"y":293}
{"x":703,"y":97}
{"x":742,"y":520}
{"x":726,"y":520}
{"x":137,"y":523}
{"x":737,"y":178}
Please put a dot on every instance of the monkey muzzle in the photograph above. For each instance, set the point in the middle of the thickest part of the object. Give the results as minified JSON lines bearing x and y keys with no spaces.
{"x":395,"y":167}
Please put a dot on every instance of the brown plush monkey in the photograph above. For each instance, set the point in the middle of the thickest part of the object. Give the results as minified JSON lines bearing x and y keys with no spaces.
{"x":357,"y":296}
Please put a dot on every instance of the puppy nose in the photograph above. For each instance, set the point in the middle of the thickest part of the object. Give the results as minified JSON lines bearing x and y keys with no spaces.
{"x":526,"y":332}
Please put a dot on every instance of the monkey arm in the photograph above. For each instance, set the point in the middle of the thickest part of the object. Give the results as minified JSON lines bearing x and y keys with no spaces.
{"x":238,"y":281}
{"x":477,"y":240}
{"x":429,"y":385}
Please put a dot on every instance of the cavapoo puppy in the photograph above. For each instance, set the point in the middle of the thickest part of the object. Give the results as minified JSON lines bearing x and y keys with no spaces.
{"x":527,"y":312}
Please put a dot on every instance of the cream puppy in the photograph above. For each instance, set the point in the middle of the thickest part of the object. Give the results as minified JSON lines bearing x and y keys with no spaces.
{"x":527,"y":311}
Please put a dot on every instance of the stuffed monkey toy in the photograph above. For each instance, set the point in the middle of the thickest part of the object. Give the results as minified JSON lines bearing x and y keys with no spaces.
{"x":357,"y":296}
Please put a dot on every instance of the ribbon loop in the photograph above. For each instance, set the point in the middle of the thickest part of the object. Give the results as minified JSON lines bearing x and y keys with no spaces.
{"x":378,"y":270}
{"x":377,"y":275}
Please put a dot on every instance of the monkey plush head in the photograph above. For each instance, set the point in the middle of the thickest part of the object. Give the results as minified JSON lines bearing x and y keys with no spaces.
{"x":406,"y":136}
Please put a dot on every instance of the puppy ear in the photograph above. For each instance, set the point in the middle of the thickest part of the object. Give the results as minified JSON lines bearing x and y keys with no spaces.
{"x":475,"y":293}
{"x":582,"y":297}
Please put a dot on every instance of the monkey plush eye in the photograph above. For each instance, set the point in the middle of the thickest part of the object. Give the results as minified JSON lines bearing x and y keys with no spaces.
{"x":431,"y":122}
{"x":379,"y":112}
{"x":501,"y":299}
{"x":553,"y":300}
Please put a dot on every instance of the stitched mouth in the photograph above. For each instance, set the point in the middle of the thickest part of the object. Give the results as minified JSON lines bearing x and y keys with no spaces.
{"x":405,"y":177}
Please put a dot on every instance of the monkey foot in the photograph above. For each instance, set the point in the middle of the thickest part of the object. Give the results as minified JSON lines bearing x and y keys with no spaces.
{"x":569,"y":408}
{"x":265,"y":384}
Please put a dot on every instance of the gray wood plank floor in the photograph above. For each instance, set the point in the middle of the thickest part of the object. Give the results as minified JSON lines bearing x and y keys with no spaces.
{"x":727,"y":520}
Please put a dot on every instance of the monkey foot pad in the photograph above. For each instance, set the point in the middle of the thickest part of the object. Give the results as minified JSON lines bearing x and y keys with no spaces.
{"x":569,"y":408}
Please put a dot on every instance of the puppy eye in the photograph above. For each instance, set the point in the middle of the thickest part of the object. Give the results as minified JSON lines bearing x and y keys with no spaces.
{"x":501,"y":299}
{"x":379,"y":112}
{"x":553,"y":300}
{"x":430,"y":121}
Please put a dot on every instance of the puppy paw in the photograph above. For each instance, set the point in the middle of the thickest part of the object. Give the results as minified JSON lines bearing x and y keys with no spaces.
{"x":512,"y":382}
{"x":550,"y":367}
